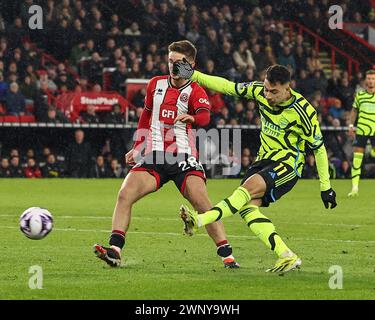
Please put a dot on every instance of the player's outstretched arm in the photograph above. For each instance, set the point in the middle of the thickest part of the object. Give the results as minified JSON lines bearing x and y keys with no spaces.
{"x":315,"y":140}
{"x":184,"y":70}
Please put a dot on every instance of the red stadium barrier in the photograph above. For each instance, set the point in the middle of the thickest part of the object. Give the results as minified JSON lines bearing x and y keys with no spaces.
{"x":29,"y":119}
{"x":318,"y":41}
{"x":72,"y":103}
{"x":103,"y":101}
{"x":11,"y":119}
{"x":347,"y":29}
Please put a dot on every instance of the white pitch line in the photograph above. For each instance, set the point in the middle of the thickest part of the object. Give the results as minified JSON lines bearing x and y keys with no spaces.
{"x":199,"y":235}
{"x":226,"y":221}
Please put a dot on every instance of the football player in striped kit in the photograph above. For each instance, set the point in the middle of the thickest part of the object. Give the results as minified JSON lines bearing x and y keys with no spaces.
{"x":173,"y":105}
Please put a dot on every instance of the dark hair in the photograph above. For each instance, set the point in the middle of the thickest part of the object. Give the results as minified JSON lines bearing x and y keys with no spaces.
{"x":370,"y":72}
{"x":185,"y":47}
{"x":277,"y":73}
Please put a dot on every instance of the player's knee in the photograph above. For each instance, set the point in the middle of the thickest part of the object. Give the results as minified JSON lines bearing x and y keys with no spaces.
{"x":121,"y":196}
{"x":126,"y":195}
{"x":255,"y":185}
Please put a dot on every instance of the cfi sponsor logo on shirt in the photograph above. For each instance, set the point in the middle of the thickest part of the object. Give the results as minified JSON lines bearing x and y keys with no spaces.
{"x":168,"y":114}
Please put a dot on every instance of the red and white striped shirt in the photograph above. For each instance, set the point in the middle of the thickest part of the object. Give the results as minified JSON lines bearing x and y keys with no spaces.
{"x":163,"y":103}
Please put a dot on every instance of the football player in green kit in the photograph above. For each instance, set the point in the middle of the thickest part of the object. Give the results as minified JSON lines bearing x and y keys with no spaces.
{"x":364,"y":109}
{"x":289,"y":122}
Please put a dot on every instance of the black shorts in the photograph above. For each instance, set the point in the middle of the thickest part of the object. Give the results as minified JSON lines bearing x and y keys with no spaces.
{"x":361,"y":141}
{"x":280,"y":178}
{"x":160,"y":166}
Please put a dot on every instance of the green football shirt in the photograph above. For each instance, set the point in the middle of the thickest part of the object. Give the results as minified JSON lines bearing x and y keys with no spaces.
{"x":285,"y":129}
{"x":364,"y":102}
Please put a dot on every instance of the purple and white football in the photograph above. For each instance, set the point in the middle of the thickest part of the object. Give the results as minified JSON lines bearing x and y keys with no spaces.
{"x":36,"y":223}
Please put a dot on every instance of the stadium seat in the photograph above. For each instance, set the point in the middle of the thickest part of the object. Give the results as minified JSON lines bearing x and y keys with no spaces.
{"x":27,"y":119}
{"x":11,"y":119}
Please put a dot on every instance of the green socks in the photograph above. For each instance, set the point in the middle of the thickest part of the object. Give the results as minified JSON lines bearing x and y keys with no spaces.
{"x":226,"y":207}
{"x":356,"y":169}
{"x":256,"y":221}
{"x":263,"y":228}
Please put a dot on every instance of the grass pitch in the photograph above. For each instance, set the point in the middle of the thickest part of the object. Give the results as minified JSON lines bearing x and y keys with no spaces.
{"x":160,"y":263}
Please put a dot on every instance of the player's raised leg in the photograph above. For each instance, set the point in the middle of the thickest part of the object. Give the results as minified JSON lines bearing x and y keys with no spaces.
{"x":136,"y":185}
{"x":227,"y":207}
{"x":195,"y":192}
{"x":262,"y":188}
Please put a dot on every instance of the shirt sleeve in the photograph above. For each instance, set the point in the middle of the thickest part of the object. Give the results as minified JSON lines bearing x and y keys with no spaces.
{"x":314,"y":139}
{"x":322,"y":165}
{"x":143,"y":127}
{"x":149,"y":98}
{"x":311,"y":129}
{"x":219,"y":84}
{"x":199,"y":101}
{"x":202,"y":118}
{"x":200,"y":107}
{"x":144,"y":120}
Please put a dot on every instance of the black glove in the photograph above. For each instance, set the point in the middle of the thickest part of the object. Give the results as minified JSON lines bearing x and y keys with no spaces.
{"x":329,"y":197}
{"x":183,"y":69}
